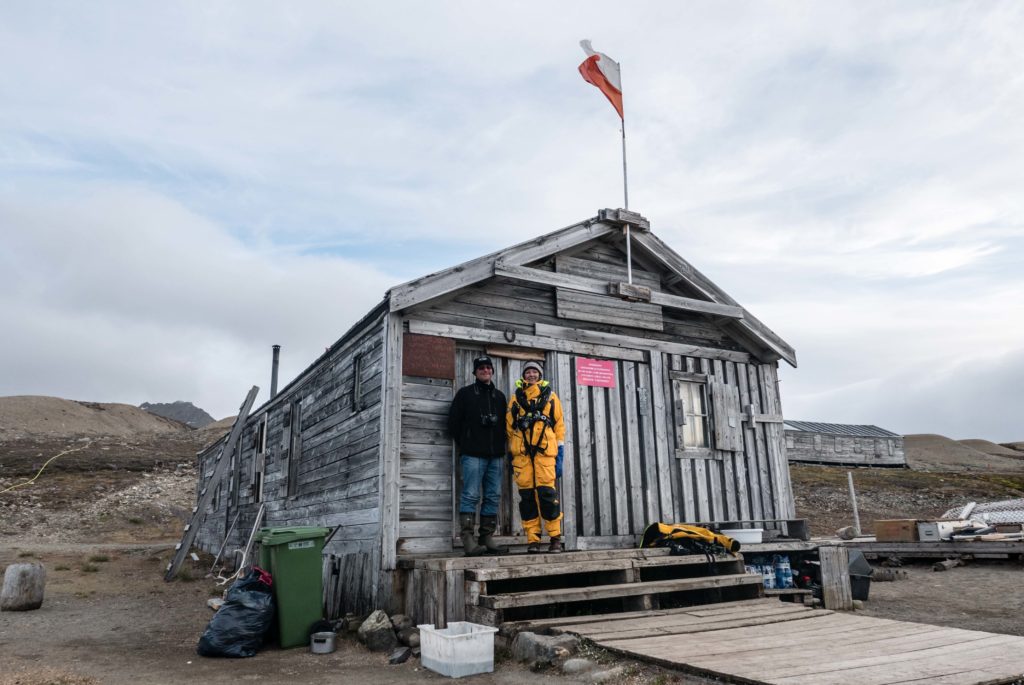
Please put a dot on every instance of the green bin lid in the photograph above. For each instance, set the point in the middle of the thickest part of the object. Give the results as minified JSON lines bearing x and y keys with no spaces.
{"x":281,"y":536}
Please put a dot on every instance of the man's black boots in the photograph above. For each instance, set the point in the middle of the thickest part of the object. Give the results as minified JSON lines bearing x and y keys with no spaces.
{"x":488,"y":524}
{"x":469,"y":546}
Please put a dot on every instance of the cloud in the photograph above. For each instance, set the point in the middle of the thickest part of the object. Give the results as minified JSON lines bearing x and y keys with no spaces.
{"x":124,"y":295}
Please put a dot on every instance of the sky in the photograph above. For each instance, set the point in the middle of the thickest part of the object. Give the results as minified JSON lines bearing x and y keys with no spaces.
{"x":183,"y":185}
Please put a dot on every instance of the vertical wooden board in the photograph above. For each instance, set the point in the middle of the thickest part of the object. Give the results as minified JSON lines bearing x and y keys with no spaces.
{"x":645,"y":417}
{"x":785,"y":508}
{"x":455,"y":598}
{"x":567,"y":492}
{"x":584,"y":446}
{"x":716,"y":467}
{"x":633,"y":457}
{"x":391,"y":427}
{"x":764,"y":481}
{"x":730,"y":486}
{"x":689,"y":502}
{"x":702,"y":494}
{"x":663,"y":448}
{"x":616,"y":435}
{"x":736,"y":471}
{"x":752,"y":502}
{"x":678,"y":470}
{"x":835,"y":577}
{"x":515,"y":372}
{"x":599,"y":424}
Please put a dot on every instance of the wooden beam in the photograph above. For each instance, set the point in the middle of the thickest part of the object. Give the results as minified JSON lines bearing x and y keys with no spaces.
{"x":599,"y":287}
{"x":443,"y":282}
{"x":390,"y":441}
{"x":535,"y":341}
{"x":629,"y":341}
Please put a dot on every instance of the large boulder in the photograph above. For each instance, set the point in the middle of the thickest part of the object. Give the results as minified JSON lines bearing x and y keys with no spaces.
{"x":23,"y":587}
{"x":377,"y":633}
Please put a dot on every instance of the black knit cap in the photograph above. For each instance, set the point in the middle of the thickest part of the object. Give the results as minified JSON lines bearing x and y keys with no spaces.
{"x":482,"y":361}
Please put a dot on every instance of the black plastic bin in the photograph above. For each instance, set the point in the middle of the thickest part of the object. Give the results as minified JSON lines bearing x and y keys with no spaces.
{"x":860,"y":586}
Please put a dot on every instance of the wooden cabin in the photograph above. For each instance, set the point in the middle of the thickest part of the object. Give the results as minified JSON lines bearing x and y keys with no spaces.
{"x":669,"y":388}
{"x":842,"y":444}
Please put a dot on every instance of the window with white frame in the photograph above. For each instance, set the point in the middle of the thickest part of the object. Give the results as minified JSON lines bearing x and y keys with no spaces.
{"x":691,"y":413}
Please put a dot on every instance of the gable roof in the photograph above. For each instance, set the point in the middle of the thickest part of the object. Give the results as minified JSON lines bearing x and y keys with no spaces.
{"x":858,"y":431}
{"x":708,"y":298}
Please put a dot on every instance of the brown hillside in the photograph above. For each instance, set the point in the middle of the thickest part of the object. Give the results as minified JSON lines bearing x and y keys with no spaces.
{"x":929,"y":452}
{"x":992,"y":448}
{"x":1018,"y":446}
{"x":27,"y":415}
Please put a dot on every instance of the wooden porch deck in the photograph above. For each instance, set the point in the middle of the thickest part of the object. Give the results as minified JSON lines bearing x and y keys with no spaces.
{"x":764,"y":641}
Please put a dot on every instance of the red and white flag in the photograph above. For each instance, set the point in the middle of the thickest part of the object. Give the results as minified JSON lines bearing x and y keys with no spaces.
{"x":600,"y":70}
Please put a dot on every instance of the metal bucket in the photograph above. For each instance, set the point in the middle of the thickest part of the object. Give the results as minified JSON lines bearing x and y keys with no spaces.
{"x":321,"y":643}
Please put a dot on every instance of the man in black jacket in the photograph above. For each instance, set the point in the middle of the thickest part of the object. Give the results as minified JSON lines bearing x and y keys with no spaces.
{"x":476,"y":422}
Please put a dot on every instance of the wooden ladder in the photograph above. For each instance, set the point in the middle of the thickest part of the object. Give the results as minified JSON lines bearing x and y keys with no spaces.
{"x":220,"y":467}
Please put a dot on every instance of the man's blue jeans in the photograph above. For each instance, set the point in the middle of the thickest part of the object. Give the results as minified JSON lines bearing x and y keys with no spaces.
{"x":480,"y":476}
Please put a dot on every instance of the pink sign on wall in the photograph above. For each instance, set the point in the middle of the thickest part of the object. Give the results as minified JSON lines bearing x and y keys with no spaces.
{"x":595,"y":372}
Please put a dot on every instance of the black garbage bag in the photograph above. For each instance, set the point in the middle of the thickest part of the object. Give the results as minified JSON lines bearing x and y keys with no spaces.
{"x":240,"y":625}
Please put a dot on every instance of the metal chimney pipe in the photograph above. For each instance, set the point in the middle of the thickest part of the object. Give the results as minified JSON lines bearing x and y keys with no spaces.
{"x":273,"y":371}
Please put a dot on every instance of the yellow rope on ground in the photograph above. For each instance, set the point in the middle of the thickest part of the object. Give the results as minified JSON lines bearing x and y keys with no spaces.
{"x":32,"y":479}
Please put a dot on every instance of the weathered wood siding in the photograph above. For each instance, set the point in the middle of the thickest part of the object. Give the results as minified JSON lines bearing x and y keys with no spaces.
{"x":845,"y":450}
{"x":624,"y":470}
{"x":320,"y":466}
{"x":425,"y":514}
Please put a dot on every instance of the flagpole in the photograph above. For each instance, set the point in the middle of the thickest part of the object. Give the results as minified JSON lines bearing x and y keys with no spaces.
{"x":625,"y":195}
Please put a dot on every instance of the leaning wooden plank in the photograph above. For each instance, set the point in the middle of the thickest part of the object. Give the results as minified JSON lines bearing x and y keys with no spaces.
{"x":206,"y":495}
{"x":535,"y":341}
{"x":628,"y":341}
{"x":835,"y":578}
{"x":520,"y":599}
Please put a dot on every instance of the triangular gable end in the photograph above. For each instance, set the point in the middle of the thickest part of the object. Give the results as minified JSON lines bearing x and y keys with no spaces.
{"x":702,"y":295}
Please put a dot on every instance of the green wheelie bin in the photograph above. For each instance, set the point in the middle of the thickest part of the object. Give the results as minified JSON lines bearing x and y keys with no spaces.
{"x":294,"y":558}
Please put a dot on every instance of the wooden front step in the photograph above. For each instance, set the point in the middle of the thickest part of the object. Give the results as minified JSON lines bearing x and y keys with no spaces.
{"x":527,"y":570}
{"x":561,"y":595}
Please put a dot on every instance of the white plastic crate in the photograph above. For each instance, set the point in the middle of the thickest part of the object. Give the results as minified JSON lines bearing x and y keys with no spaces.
{"x":459,"y":650}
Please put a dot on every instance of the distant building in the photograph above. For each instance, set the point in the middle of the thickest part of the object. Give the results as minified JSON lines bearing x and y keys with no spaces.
{"x":842,"y":444}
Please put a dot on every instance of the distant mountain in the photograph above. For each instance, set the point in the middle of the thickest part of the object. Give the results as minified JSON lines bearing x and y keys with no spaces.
{"x":185,"y":412}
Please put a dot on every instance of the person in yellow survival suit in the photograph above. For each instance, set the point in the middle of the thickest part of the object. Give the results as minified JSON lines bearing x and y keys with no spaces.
{"x":536,"y":435}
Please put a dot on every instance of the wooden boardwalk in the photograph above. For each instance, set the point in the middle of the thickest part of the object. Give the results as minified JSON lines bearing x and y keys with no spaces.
{"x":768,"y":641}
